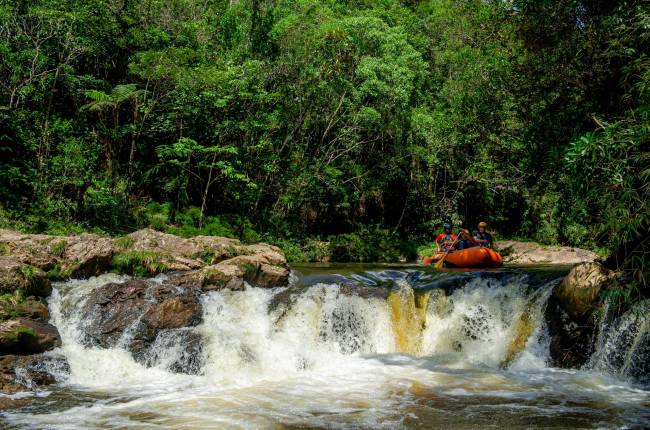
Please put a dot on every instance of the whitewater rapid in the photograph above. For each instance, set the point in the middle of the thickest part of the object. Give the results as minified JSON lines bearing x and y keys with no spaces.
{"x":322,"y":356}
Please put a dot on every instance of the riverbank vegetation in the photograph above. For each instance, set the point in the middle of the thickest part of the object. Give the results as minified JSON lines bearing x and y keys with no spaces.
{"x":364,"y":124}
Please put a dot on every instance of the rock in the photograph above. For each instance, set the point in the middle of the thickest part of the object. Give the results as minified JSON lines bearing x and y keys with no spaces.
{"x":17,"y":276}
{"x":143,"y":252}
{"x":179,"y":351}
{"x":533,"y":253}
{"x":29,"y":249}
{"x":112,"y":308}
{"x":25,"y":336}
{"x":88,"y":256}
{"x":8,"y":383}
{"x":25,"y":373}
{"x":624,"y":345}
{"x":134,"y":314}
{"x":213,"y":278}
{"x":11,"y":403}
{"x":571,"y":341}
{"x":173,"y":312}
{"x":33,"y":371}
{"x":571,"y":314}
{"x":30,"y":307}
{"x":260,"y":270}
{"x":578,"y":294}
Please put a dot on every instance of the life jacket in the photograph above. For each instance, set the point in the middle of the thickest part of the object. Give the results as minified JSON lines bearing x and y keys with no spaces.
{"x":483,"y":236}
{"x":447,"y":240}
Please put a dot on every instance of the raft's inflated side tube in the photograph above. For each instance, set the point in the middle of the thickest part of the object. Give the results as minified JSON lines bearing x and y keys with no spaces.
{"x":471,"y":257}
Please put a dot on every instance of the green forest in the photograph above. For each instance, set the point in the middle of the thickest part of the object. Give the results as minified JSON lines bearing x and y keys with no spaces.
{"x":362,"y":123}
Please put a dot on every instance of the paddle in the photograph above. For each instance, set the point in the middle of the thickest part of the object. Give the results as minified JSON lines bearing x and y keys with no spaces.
{"x":440,"y":262}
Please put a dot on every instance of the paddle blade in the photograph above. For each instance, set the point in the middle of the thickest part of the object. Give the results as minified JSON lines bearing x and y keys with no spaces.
{"x":440,"y":262}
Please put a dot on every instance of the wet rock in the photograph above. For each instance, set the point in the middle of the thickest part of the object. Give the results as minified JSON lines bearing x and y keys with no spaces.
{"x":534,"y":253}
{"x":179,"y":351}
{"x":173,"y":312}
{"x":283,"y":300}
{"x":8,"y":383}
{"x":25,"y":336}
{"x":28,"y":373}
{"x":623,"y":347}
{"x":17,"y":276}
{"x":571,"y":341}
{"x":113,"y":308}
{"x":134,"y":314}
{"x":578,"y":293}
{"x":38,"y":370}
{"x":572,"y":313}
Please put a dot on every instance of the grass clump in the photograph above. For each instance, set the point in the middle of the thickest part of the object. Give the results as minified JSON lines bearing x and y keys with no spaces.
{"x":59,"y":248}
{"x":124,"y":242}
{"x":140,"y":263}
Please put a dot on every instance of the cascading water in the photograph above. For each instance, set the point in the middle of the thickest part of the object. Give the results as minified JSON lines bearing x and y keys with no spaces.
{"x":623,"y":343}
{"x":385,"y":349}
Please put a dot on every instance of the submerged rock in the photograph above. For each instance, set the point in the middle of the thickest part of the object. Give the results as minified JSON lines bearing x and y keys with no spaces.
{"x":25,"y":373}
{"x":179,"y":351}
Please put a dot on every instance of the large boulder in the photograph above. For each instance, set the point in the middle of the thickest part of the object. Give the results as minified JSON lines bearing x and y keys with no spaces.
{"x":571,"y":314}
{"x":578,"y":293}
{"x":62,"y":256}
{"x":260,"y":270}
{"x":136,"y":314}
{"x":524,"y":253}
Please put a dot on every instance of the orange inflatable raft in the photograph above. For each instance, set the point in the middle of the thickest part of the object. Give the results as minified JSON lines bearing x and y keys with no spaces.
{"x":471,"y":257}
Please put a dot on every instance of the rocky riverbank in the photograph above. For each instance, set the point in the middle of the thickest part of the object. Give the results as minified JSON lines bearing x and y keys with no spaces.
{"x":29,"y":263}
{"x":528,"y":253}
{"x":143,"y":313}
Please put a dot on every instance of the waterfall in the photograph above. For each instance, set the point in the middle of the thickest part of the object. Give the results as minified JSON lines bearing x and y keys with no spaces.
{"x":320,"y":325}
{"x":623,"y":343}
{"x":372,"y":350}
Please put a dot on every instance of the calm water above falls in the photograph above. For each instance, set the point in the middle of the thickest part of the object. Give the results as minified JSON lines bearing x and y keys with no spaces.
{"x":344,"y":347}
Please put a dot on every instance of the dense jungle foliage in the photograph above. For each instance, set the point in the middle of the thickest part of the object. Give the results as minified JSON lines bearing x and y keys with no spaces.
{"x":365,"y":123}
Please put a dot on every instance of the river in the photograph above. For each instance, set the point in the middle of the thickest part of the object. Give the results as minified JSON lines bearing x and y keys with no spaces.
{"x":363,"y":347}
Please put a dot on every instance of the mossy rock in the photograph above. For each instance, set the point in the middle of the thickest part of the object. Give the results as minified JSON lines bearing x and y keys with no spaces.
{"x":24,"y":336}
{"x":15,"y":305}
{"x":29,"y":280}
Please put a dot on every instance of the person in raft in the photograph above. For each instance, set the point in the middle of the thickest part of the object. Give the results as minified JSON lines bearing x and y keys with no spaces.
{"x":466,"y":241}
{"x":445,"y":240}
{"x":483,"y":237}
